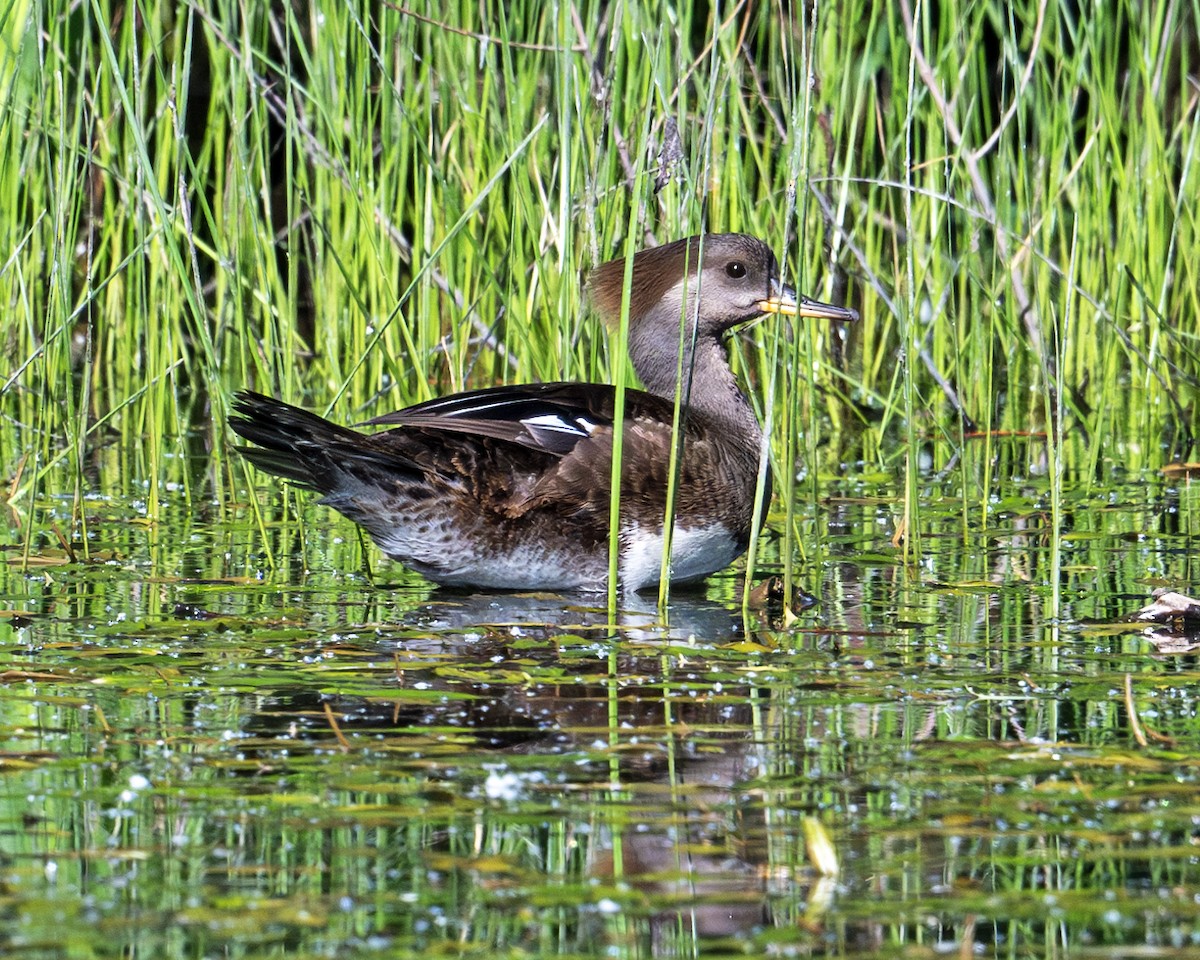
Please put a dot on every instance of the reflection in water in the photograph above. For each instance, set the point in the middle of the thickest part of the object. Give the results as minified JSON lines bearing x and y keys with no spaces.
{"x":671,"y":761}
{"x":448,"y":615}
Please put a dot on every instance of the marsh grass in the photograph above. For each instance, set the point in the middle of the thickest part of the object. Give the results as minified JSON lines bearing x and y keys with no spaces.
{"x":359,"y":207}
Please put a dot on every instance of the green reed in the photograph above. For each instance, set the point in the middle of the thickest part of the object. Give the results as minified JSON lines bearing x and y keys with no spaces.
{"x":359,"y":206}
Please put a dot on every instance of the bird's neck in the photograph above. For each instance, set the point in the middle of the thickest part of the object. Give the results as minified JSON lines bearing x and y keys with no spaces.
{"x":708,"y":384}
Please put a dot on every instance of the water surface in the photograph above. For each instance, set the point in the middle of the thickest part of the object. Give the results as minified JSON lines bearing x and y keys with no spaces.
{"x":221,"y":738}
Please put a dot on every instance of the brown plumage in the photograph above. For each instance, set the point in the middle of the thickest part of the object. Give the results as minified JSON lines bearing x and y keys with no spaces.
{"x":508,"y":487}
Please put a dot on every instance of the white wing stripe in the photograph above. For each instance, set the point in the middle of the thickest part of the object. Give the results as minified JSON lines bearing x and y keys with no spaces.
{"x":552,"y":421}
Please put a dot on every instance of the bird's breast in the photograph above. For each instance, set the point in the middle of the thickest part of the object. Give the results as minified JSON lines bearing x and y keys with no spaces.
{"x":695,"y":553}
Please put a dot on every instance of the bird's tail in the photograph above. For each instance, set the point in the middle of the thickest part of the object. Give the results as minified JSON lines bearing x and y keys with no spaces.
{"x":292,"y":443}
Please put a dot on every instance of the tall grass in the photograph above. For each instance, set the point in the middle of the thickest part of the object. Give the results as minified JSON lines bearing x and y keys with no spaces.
{"x":361,"y":206}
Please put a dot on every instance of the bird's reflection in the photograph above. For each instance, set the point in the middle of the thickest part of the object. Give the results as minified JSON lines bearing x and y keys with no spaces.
{"x":672,"y":767}
{"x":449,"y":615}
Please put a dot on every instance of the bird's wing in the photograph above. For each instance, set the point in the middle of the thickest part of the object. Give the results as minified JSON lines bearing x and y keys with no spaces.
{"x":549,"y":417}
{"x":579,"y":484}
{"x":570,"y":424}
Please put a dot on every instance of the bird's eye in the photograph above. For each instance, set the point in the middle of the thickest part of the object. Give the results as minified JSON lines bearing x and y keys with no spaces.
{"x":736,"y":269}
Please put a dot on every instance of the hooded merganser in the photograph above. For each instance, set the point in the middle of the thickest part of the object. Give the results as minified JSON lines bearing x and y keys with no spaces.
{"x":508,"y":487}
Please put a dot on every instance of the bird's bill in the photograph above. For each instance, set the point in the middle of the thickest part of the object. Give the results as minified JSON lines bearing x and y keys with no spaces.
{"x":787,"y":303}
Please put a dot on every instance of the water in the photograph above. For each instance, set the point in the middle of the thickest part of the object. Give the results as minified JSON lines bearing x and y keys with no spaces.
{"x":204,"y":755}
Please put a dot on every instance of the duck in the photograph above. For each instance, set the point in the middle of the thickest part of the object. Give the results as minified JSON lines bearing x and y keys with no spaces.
{"x":508,"y":487}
